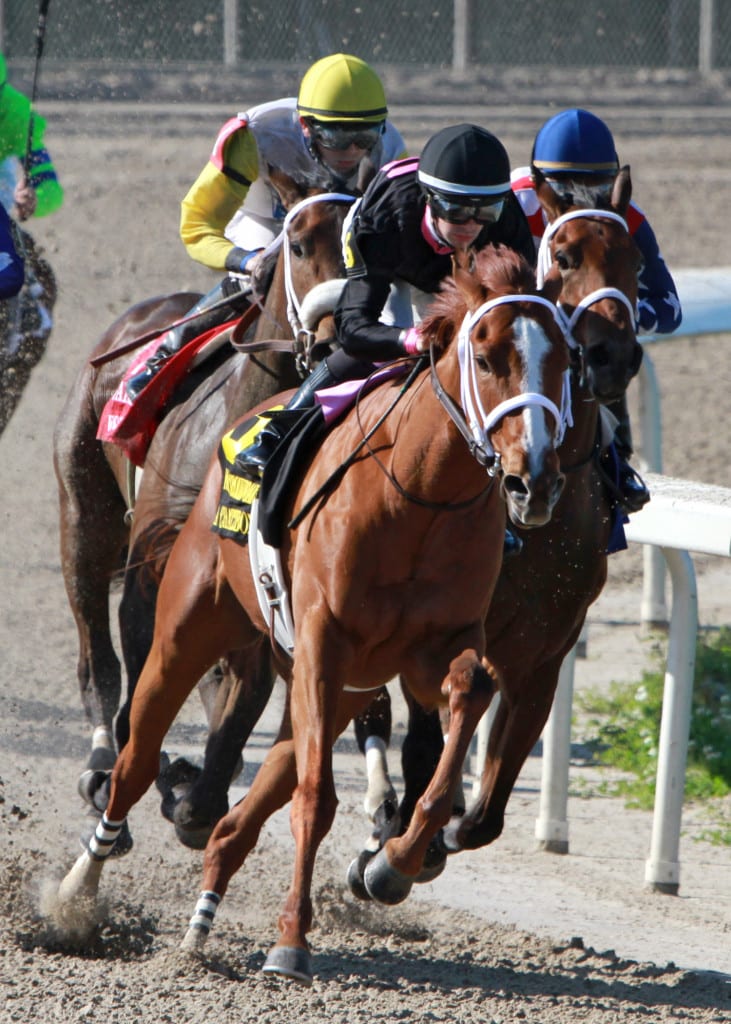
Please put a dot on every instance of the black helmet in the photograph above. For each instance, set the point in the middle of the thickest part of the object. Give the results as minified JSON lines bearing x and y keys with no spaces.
{"x":465,"y":160}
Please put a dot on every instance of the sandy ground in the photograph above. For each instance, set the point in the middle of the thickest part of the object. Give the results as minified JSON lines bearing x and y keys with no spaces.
{"x":507,"y":934}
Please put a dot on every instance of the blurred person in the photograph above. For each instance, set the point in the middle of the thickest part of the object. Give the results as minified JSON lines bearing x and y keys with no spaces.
{"x":232,"y":213}
{"x":39,"y":191}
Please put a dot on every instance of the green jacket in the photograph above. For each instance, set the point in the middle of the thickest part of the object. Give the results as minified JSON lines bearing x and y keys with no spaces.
{"x":15,"y":109}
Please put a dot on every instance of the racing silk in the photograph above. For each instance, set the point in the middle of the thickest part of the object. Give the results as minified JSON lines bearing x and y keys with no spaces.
{"x":233,"y":204}
{"x":659,"y":305}
{"x":15,"y":109}
{"x":390,"y":238}
{"x":11,"y":264}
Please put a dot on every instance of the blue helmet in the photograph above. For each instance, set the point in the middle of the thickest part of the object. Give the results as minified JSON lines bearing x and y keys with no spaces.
{"x":574,"y":142}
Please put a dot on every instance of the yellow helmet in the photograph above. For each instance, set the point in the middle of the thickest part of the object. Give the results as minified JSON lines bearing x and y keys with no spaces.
{"x":342,"y":88}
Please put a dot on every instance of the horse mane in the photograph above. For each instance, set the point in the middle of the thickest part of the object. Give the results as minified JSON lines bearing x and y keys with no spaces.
{"x":497,"y":270}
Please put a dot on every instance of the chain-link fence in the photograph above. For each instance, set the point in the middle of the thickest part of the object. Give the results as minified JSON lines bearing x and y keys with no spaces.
{"x":683,"y":34}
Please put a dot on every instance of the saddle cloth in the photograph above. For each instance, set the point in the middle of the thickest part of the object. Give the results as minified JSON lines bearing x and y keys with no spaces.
{"x":131,"y":425}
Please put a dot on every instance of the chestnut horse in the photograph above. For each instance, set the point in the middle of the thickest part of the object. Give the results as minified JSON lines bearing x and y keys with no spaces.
{"x":94,"y":499}
{"x":542,"y":596}
{"x":391,"y":569}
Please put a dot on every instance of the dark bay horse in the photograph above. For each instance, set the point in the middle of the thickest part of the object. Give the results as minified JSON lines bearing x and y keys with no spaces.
{"x":542,"y":597}
{"x":100,"y":540}
{"x":391,"y":570}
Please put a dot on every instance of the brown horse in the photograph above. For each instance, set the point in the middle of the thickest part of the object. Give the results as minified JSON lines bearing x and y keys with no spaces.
{"x":94,"y":488}
{"x":392,"y":569}
{"x":542,"y":596}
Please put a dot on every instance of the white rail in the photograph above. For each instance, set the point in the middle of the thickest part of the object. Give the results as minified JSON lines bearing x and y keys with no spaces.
{"x":705,"y":298}
{"x":681,"y":517}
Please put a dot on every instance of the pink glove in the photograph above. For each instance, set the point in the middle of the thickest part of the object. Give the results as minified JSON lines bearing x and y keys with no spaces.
{"x":413,"y":341}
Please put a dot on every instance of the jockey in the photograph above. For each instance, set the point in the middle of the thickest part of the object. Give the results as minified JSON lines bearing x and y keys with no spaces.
{"x":231,"y":212}
{"x":400,"y":239}
{"x":40,"y":193}
{"x":575,"y":152}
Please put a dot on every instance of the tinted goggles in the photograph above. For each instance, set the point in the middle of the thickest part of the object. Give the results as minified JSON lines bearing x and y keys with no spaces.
{"x":339,"y":137}
{"x":460,"y":211}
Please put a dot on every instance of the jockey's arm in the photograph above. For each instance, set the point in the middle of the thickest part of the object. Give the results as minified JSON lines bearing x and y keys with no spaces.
{"x":659,"y":305}
{"x":214,"y":198}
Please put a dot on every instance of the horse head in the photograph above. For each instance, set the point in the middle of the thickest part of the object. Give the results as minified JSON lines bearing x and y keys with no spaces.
{"x":594,"y":256}
{"x":512,"y":361}
{"x":312,"y":265}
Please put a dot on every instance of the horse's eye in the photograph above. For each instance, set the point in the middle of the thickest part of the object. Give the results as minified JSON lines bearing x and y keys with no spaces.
{"x":483,"y":364}
{"x":297,"y":250}
{"x":562,"y":259}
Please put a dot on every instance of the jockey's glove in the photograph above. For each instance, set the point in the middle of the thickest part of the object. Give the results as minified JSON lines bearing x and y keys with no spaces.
{"x":242,"y":261}
{"x":413,"y":341}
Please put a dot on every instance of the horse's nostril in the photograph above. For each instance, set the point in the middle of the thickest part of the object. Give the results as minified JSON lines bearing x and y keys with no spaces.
{"x":514,"y":485}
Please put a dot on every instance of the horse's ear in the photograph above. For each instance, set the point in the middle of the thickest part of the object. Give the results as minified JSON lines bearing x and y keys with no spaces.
{"x":366,"y":174}
{"x":285,"y":186}
{"x":622,"y":191}
{"x":553,"y":205}
{"x":463,"y":273}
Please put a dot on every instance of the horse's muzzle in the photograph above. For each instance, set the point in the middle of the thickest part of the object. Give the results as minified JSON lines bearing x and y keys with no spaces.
{"x":531,"y":502}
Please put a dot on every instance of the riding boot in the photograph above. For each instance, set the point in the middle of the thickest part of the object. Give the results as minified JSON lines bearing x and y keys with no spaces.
{"x":633,"y":491}
{"x":252,"y":460}
{"x":179,"y":336}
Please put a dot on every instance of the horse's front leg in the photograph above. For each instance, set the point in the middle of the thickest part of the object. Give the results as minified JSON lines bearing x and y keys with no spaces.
{"x":519,"y":722}
{"x":391,"y":873}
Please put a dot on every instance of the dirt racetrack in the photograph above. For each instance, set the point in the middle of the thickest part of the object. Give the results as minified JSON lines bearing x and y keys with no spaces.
{"x":505,"y":935}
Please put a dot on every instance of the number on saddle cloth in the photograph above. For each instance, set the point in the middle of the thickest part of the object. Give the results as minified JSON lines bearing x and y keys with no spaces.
{"x":292,"y":454}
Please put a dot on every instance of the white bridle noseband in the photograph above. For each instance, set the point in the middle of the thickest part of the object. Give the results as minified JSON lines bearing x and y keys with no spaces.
{"x":479,"y":422}
{"x":545,"y":260}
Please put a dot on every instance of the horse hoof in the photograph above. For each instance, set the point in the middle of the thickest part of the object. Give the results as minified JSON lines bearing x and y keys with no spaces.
{"x":291,"y":962}
{"x":384,"y":883}
{"x":354,"y":876}
{"x":122,"y":844}
{"x":93,"y":788}
{"x":194,"y":838}
{"x":435,"y":860}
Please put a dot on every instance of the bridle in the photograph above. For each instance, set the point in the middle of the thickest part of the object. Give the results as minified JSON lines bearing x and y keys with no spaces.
{"x":545,"y":260}
{"x":302,"y":335}
{"x":472,"y":421}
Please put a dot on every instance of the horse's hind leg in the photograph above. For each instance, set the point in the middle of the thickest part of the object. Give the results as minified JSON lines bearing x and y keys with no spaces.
{"x":92,"y":549}
{"x":197,"y":620}
{"x":243,"y":693}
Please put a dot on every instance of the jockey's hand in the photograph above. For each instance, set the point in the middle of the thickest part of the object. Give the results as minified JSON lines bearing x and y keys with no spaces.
{"x":413,"y":341}
{"x":243,"y":261}
{"x":25,"y":200}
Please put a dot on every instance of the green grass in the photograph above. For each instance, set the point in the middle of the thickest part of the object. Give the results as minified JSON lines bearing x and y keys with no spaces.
{"x":623,"y":727}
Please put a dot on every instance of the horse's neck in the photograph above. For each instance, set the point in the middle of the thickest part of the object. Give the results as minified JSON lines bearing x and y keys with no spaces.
{"x":427,"y":445}
{"x":273,"y":321}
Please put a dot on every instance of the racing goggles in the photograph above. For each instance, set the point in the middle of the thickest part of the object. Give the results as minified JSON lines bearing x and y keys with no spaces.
{"x":460,"y":211}
{"x":343,"y":137}
{"x":581,"y":193}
